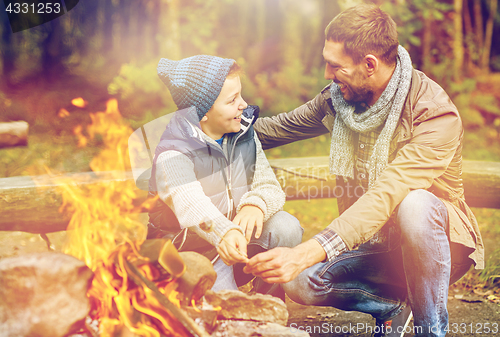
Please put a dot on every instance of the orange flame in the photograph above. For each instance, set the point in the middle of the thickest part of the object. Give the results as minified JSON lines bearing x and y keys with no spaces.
{"x":121,"y":302}
{"x":102,"y":216}
{"x":79,"y":102}
{"x":63,"y":113}
{"x":105,"y":233}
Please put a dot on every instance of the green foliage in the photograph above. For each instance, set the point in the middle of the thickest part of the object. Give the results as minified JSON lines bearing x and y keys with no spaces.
{"x":411,"y":16}
{"x":487,"y":103}
{"x":132,"y":77}
{"x":142,"y":93}
{"x":282,"y":90}
{"x":480,"y":138}
{"x":409,"y":24}
{"x":461,"y":93}
{"x":491,"y":271}
{"x":495,"y":63}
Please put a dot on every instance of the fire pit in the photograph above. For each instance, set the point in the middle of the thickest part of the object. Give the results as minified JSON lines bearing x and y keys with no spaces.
{"x":122,"y":284}
{"x":149,"y":291}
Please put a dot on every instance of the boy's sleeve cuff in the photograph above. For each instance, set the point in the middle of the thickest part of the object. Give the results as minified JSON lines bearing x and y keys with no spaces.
{"x":254,"y":201}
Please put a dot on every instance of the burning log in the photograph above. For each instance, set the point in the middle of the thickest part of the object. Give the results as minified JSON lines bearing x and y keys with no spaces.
{"x":194,"y":272}
{"x":43,"y":294}
{"x":142,"y":290}
{"x":178,"y":313}
{"x":13,"y":134}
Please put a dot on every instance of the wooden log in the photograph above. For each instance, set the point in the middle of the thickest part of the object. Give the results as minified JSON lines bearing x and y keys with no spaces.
{"x":13,"y":134}
{"x":26,"y":206}
{"x":31,"y":204}
{"x":482,"y":183}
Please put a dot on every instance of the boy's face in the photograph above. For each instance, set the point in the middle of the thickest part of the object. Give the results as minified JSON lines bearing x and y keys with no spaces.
{"x":225,"y":115}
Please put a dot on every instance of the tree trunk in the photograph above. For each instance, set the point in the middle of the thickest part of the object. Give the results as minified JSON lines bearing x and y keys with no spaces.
{"x":328,"y":10}
{"x":107,"y":27}
{"x":171,"y":47}
{"x":458,"y":40}
{"x":470,"y":48}
{"x":292,"y":42}
{"x":8,"y":53}
{"x":260,"y":20}
{"x":485,"y":56}
{"x":117,"y":25}
{"x":126,"y":39}
{"x":478,"y":24}
{"x":52,"y":59}
{"x":426,"y":43}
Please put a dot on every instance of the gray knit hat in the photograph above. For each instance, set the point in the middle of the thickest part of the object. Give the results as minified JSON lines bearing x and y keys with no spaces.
{"x":195,"y":81}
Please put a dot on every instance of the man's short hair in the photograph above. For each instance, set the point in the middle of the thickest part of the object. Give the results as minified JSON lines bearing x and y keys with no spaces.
{"x":365,"y":29}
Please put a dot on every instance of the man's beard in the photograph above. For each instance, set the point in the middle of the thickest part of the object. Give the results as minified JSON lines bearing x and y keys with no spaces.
{"x":359,"y":94}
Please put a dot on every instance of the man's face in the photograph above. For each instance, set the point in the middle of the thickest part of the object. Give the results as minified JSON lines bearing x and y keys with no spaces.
{"x":341,"y":69}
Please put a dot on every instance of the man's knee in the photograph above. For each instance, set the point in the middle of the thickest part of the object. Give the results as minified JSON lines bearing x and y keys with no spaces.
{"x":299,"y":290}
{"x":285,"y":228}
{"x":417,"y":209}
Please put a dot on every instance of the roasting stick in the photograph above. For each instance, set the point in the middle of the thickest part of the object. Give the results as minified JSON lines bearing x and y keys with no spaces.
{"x":207,"y":226}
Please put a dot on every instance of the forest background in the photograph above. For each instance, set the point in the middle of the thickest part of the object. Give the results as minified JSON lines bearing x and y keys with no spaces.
{"x":110,"y":48}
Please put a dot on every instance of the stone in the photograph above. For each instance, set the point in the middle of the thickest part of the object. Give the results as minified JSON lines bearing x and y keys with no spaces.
{"x":258,"y":307}
{"x":43,"y":295}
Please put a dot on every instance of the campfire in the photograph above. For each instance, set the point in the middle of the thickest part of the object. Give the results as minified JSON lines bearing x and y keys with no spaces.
{"x":138,"y":287}
{"x":135,"y":282}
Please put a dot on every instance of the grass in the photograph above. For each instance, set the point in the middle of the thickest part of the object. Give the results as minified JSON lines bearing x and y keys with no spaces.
{"x":45,"y":150}
{"x":314,"y":215}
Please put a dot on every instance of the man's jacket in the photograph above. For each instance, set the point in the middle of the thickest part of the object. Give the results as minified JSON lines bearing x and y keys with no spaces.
{"x":425,"y":153}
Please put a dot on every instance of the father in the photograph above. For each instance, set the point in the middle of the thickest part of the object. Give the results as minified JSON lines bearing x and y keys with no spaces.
{"x":396,"y":248}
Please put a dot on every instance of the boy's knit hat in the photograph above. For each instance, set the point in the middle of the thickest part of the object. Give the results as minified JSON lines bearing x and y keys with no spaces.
{"x":195,"y":81}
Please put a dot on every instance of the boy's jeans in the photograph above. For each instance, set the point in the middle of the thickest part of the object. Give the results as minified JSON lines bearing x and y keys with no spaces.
{"x":280,"y":230}
{"x":409,"y":262}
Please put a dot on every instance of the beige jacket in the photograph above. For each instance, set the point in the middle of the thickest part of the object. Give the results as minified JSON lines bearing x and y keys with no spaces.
{"x":426,"y":153}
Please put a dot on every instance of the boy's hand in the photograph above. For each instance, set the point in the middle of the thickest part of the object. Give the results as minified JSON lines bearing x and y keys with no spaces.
{"x":233,"y":248}
{"x":248,"y":218}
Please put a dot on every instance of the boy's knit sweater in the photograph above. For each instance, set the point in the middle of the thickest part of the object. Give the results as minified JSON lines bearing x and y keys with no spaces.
{"x":182,"y":192}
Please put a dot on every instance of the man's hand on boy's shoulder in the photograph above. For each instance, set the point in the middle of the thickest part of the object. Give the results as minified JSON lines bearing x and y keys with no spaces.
{"x":233,"y":248}
{"x":248,"y":218}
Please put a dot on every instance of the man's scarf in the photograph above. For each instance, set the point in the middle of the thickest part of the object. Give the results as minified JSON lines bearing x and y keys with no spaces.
{"x":387,"y":109}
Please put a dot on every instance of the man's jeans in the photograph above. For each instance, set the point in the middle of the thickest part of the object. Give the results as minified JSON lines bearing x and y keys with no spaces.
{"x":281,"y":230}
{"x":410,"y":261}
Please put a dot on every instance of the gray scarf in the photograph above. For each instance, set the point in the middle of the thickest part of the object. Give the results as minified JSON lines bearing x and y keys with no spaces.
{"x":387,"y":109}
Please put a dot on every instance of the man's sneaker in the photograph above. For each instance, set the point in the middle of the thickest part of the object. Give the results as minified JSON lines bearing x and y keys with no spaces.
{"x":396,"y":326}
